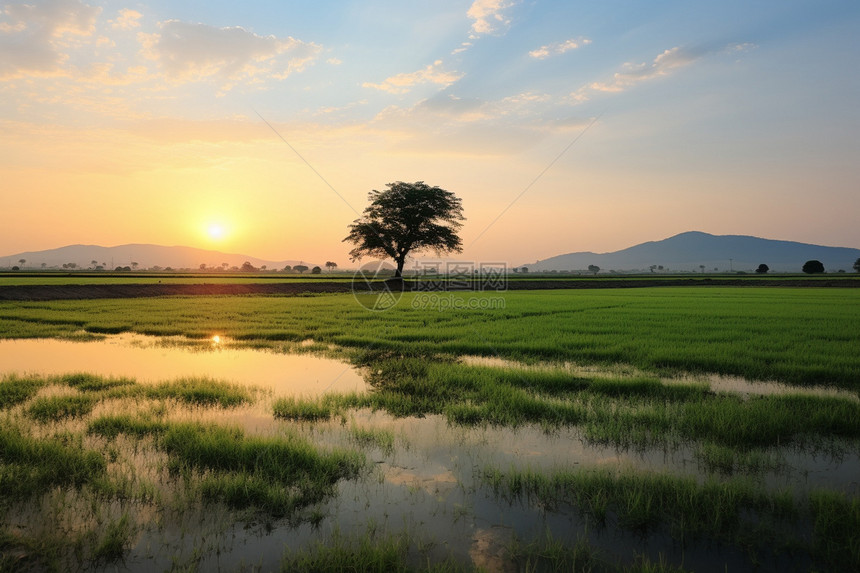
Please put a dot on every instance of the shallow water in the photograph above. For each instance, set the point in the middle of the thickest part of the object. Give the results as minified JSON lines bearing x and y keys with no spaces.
{"x":428,"y":485}
{"x":716,"y":382}
{"x":147,"y":359}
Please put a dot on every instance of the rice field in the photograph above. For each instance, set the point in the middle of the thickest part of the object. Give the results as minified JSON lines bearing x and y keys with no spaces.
{"x":553,"y":430}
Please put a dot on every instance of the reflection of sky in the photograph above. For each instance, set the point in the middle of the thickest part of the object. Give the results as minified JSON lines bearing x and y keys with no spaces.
{"x":293,"y":374}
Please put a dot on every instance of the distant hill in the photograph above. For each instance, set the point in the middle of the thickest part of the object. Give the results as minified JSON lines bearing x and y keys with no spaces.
{"x":146,"y":257}
{"x":685,"y":252}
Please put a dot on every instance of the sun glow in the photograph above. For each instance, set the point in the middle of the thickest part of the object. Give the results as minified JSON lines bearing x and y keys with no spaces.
{"x":216,"y":231}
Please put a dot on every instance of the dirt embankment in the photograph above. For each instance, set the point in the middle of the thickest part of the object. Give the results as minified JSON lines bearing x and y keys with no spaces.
{"x":82,"y":292}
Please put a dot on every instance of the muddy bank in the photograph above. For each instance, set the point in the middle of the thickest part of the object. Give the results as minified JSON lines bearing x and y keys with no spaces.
{"x":84,"y":292}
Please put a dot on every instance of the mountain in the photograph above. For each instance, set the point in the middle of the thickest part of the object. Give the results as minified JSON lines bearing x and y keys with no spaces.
{"x":685,"y":252}
{"x":146,"y":257}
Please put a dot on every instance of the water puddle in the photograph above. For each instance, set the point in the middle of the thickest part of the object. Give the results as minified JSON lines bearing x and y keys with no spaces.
{"x":148,"y":359}
{"x":716,"y":382}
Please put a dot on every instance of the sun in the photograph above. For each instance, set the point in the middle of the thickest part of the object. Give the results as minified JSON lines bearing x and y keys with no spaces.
{"x":216,"y":231}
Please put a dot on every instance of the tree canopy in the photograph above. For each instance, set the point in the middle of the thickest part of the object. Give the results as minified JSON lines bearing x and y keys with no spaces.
{"x":404,"y":218}
{"x":813,"y":266}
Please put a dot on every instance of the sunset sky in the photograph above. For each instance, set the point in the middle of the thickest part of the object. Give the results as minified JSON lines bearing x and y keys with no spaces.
{"x":260,"y":127}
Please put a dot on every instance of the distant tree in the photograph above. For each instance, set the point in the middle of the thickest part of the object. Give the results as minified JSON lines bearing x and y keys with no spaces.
{"x":703,"y":268}
{"x":247,"y":267}
{"x":857,"y":266}
{"x":287,"y":268}
{"x":44,"y":265}
{"x":404,"y":218}
{"x":659,"y":267}
{"x":225,"y":265}
{"x":652,"y":267}
{"x":202,"y":266}
{"x":762,"y":269}
{"x":22,"y":261}
{"x":330,"y":265}
{"x":813,"y":267}
{"x":316,"y":271}
{"x":524,"y":269}
{"x":73,"y":265}
{"x":133,"y":265}
{"x":16,"y":268}
{"x":593,"y":269}
{"x":300,"y":268}
{"x":516,"y":269}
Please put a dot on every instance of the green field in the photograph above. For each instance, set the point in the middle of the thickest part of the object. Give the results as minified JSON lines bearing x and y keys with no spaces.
{"x":623,"y":371}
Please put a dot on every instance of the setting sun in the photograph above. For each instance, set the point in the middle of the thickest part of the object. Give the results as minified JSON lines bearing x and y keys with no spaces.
{"x":216,"y":231}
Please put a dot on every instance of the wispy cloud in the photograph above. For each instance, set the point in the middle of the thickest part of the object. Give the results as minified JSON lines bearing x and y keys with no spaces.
{"x":631,"y":74}
{"x":402,"y":83}
{"x":559,"y":48}
{"x":490,"y":16}
{"x":34,"y":38}
{"x":193,"y":52}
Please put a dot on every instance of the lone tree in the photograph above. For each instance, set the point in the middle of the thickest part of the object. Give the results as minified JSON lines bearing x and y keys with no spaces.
{"x":813,"y":267}
{"x":857,"y":265}
{"x":762,"y":269}
{"x":300,"y":268}
{"x":593,"y":269}
{"x":407,"y":217}
{"x":330,"y":265}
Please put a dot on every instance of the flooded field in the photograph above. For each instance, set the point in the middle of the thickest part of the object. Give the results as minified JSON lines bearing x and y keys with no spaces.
{"x":152,"y":359}
{"x":440,"y":491}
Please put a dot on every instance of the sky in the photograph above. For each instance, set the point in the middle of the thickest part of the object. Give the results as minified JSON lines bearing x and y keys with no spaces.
{"x":260,"y":127}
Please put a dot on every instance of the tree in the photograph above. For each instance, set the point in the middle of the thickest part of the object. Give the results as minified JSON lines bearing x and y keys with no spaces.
{"x":703,"y":268}
{"x":857,"y":265}
{"x":300,"y":268}
{"x":247,"y":267}
{"x":404,"y":218}
{"x":813,"y":267}
{"x":22,"y":261}
{"x":593,"y":269}
{"x":330,"y":265}
{"x":133,"y":265}
{"x":762,"y":269}
{"x":287,"y":268}
{"x":202,"y":266}
{"x":316,"y":271}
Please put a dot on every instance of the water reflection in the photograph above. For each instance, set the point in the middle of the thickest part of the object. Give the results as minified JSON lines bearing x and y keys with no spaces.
{"x":146,"y":360}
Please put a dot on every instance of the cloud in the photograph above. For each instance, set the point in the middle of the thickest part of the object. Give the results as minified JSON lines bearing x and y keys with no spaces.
{"x":489,"y":16}
{"x":193,"y":52}
{"x":402,"y":83}
{"x":126,"y":20}
{"x":34,"y":37}
{"x":559,"y":48}
{"x":631,"y":75}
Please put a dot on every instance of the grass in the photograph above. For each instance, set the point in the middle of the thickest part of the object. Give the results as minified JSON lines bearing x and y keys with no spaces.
{"x":55,"y":450}
{"x":736,"y":511}
{"x":15,"y":389}
{"x":56,"y":408}
{"x":32,"y":466}
{"x":801,"y":336}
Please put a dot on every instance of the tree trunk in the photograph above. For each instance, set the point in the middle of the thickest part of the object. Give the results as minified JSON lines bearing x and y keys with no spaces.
{"x":399,"y":272}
